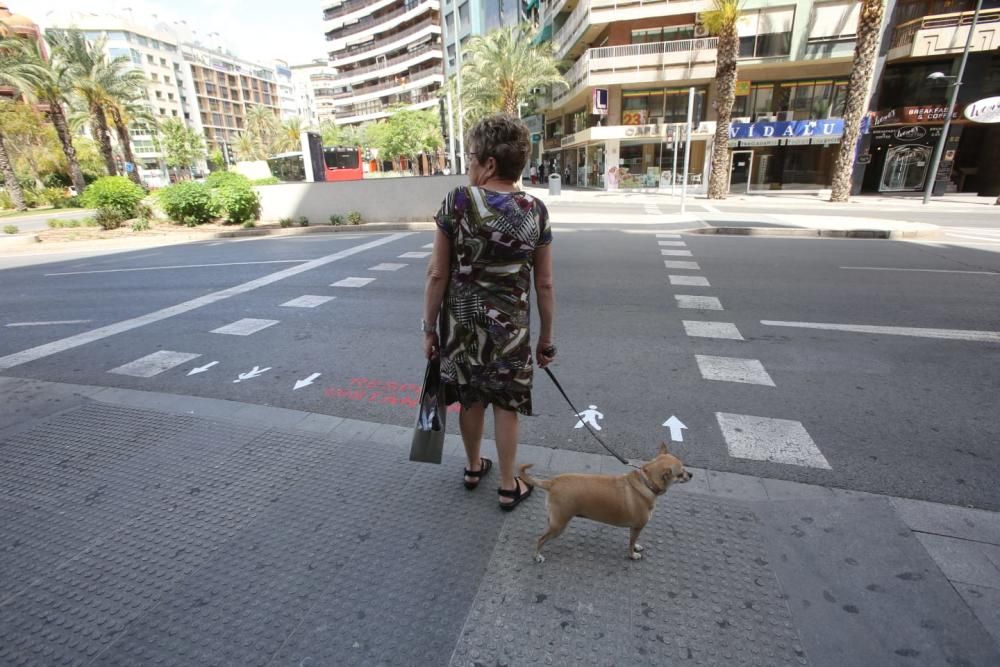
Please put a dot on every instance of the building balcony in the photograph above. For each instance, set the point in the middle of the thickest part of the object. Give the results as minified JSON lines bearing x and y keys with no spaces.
{"x":421,"y":79}
{"x":655,"y":62}
{"x":387,"y":44}
{"x":945,"y":34}
{"x":351,"y":116}
{"x":370,"y":26}
{"x":350,"y":7}
{"x":385,"y":67}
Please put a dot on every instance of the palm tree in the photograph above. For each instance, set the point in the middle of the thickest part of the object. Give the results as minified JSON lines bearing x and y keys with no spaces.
{"x":865,"y":52}
{"x":501,"y":69}
{"x":52,"y":89}
{"x":125,"y":103}
{"x":721,"y":21}
{"x":18,"y":70}
{"x":86,"y":64}
{"x":249,"y":147}
{"x":289,"y":139}
{"x":262,"y":124}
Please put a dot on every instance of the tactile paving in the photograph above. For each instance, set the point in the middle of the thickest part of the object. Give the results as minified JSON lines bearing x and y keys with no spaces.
{"x":702,"y":595}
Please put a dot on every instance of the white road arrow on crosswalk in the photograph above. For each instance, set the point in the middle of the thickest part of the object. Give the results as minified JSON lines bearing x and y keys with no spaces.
{"x":305,"y":383}
{"x":675,"y":425}
{"x":249,"y":375}
{"x":202,"y":369}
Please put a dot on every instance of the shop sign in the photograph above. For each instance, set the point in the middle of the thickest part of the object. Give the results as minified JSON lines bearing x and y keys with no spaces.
{"x":600,"y":101}
{"x":784,"y":129}
{"x":634,"y":117}
{"x":742,"y":88}
{"x":984,"y":111}
{"x":917,"y":134}
{"x":534,"y":123}
{"x":928,"y":113}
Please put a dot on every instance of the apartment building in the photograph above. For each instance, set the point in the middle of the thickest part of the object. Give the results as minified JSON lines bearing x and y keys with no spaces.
{"x":287,"y":101}
{"x":315,"y":85}
{"x":795,"y":60}
{"x":927,"y":37}
{"x":386,"y":52}
{"x":475,"y":17}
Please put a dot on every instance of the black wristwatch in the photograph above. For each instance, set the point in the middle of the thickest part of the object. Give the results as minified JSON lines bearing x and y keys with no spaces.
{"x":427,"y":327}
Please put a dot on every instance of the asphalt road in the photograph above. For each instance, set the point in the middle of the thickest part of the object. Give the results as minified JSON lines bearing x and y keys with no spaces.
{"x":36,"y":222}
{"x":912,"y":416}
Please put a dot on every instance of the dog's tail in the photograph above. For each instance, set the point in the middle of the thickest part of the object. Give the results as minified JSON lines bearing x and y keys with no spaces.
{"x":540,"y":483}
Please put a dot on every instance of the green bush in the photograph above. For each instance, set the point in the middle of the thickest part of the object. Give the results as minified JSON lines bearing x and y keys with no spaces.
{"x":114,"y":192}
{"x":188,"y":203}
{"x":56,"y":196}
{"x":108,"y":218}
{"x":336,"y":219}
{"x":57,"y":179}
{"x":239,"y":202}
{"x":302,"y":220}
{"x":221,"y":179}
{"x":56,"y":223}
{"x":286,"y":222}
{"x":83,"y":222}
{"x":354,"y":218}
{"x":10,"y":229}
{"x":270,"y":180}
{"x":5,"y":200}
{"x":249,"y":224}
{"x":140,"y":225}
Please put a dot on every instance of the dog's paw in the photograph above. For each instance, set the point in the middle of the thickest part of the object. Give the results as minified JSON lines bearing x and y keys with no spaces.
{"x":639,"y":547}
{"x":539,"y":558}
{"x":635,"y":555}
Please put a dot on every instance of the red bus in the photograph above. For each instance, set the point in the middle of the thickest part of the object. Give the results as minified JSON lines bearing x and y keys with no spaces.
{"x":339,"y":164}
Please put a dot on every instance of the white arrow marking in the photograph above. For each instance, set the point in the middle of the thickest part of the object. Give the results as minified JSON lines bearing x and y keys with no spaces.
{"x":305,"y":383}
{"x":202,"y":369}
{"x":675,"y":425}
{"x":249,"y":375}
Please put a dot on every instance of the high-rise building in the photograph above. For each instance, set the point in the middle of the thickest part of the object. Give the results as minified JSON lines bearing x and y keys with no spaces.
{"x":315,"y":86}
{"x":287,"y":102}
{"x":642,"y":59}
{"x":386,"y":52}
{"x":23,"y":27}
{"x":475,"y":17}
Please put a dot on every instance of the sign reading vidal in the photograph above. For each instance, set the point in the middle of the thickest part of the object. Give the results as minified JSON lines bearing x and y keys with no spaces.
{"x":787,"y":129}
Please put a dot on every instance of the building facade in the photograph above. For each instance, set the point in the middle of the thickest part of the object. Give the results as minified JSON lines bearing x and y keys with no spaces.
{"x":475,"y":17}
{"x":927,"y":37}
{"x":386,"y":53}
{"x":643,"y":60}
{"x":287,"y":102}
{"x":315,"y":85}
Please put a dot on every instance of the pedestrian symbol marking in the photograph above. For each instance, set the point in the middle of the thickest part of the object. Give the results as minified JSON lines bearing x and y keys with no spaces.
{"x":591,"y":417}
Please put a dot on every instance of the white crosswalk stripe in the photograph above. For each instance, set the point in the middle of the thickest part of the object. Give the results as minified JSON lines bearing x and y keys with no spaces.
{"x":307,"y":301}
{"x":661,"y":235}
{"x":725,"y":330}
{"x":245,"y":327}
{"x":765,"y":439}
{"x":429,"y":245}
{"x":388,"y":266}
{"x":680,"y":264}
{"x":698,"y":302}
{"x":732,"y":369}
{"x":154,"y":364}
{"x":675,"y":253}
{"x":690,"y":281}
{"x":672,"y":243}
{"x":653,"y":209}
{"x":414,"y":255}
{"x":352,"y":282}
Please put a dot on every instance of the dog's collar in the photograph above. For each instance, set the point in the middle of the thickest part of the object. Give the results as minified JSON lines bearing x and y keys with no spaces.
{"x":649,"y":483}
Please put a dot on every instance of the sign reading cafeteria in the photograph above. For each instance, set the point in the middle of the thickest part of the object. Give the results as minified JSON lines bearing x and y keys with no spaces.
{"x":984,"y":111}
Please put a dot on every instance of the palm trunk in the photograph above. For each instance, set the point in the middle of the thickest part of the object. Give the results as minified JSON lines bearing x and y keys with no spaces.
{"x":869,"y":29}
{"x":126,"y":143}
{"x":725,"y":77}
{"x":10,"y":178}
{"x":103,"y":138}
{"x":58,"y":117}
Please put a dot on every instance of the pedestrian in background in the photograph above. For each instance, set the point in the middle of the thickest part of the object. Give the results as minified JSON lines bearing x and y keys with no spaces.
{"x":492,"y":242}
{"x":533,"y":172}
{"x":541,"y":172}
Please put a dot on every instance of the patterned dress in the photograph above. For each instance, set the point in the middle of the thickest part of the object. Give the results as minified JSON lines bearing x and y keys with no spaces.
{"x":485,"y":342}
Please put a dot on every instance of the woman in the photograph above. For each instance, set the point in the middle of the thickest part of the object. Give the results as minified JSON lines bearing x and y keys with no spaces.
{"x":491,"y":238}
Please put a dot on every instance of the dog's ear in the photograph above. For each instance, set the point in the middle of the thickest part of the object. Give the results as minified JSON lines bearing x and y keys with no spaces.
{"x":663,"y":448}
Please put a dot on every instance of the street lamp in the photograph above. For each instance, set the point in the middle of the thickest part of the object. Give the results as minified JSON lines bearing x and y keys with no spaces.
{"x":955,"y":84}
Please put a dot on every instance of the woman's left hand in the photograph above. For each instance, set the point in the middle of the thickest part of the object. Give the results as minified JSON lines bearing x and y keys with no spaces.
{"x":431,"y":345}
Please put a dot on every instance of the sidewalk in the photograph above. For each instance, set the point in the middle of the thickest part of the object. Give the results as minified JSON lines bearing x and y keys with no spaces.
{"x":145,"y":528}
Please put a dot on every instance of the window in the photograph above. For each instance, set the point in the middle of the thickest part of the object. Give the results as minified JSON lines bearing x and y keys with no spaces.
{"x":463,"y":17}
{"x":640,"y":107}
{"x":154,"y":77}
{"x":136,"y":56}
{"x":141,"y":40}
{"x":159,"y":95}
{"x":116,"y":53}
{"x":163,"y":112}
{"x":834,"y":19}
{"x":155,"y":44}
{"x":216,"y":119}
{"x":793,"y":100}
{"x":210,"y":89}
{"x":170,"y":96}
{"x":766,"y":33}
{"x":174,"y":112}
{"x":163,"y":62}
{"x":166,"y":79}
{"x":114,"y":36}
{"x":665,"y":34}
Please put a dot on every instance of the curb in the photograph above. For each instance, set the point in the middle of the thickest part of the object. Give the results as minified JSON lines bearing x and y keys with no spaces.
{"x":8,"y":240}
{"x":891,"y":234}
{"x":320,"y":229}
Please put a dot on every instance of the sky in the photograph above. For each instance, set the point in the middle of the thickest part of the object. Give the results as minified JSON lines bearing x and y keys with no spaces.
{"x":262,"y":30}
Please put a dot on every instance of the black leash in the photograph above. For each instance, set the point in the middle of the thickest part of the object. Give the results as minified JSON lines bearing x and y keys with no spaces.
{"x":577,"y":414}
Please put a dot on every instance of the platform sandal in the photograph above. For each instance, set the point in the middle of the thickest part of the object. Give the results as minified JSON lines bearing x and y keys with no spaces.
{"x":484,"y":469}
{"x":515,"y":493}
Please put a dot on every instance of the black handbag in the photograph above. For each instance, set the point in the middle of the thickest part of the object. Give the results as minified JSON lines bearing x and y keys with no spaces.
{"x":428,"y":434}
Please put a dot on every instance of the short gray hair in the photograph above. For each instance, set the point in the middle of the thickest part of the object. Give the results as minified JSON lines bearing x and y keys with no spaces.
{"x":505,"y":139}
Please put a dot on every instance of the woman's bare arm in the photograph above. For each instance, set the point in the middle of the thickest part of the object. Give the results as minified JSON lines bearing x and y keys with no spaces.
{"x":545,"y":296}
{"x":438,"y":269}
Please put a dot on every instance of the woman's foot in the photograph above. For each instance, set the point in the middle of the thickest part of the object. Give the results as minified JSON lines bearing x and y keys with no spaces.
{"x":475,"y":473}
{"x":512,"y":497}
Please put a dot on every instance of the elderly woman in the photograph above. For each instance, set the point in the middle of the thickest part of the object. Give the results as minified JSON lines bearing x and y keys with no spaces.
{"x":492,"y":239}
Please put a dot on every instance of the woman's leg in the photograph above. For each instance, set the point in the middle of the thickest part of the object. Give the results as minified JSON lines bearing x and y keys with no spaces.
{"x":507,"y":434}
{"x":470,"y":423}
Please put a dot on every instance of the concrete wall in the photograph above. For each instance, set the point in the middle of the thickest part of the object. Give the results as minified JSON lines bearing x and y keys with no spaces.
{"x":414,"y":199}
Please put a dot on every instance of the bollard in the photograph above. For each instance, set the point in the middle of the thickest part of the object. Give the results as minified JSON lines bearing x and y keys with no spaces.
{"x":555,"y":184}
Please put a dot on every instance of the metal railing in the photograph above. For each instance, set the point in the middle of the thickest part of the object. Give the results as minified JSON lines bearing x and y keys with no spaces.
{"x":371,"y":21}
{"x":382,"y":42}
{"x":410,"y":78}
{"x":576,"y":23}
{"x":905,"y":33}
{"x":347,"y":7}
{"x":385,"y":64}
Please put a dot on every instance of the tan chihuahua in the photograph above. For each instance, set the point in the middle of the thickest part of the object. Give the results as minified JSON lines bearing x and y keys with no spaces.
{"x":623,"y":500}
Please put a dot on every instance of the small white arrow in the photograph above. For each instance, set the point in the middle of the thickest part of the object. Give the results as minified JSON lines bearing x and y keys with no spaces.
{"x":249,"y":375}
{"x":675,"y":425}
{"x":202,"y":369}
{"x":305,"y":383}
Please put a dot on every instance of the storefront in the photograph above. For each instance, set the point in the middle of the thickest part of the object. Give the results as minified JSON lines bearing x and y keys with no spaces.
{"x":783,"y":155}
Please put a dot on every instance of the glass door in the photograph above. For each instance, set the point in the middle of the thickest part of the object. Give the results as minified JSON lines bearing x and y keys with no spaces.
{"x":905,"y":168}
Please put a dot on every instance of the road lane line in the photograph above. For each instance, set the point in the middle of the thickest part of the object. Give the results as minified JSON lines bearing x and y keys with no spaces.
{"x":307,"y":301}
{"x":733,"y":369}
{"x":698,"y":302}
{"x":690,"y":281}
{"x":951,"y":334}
{"x":179,"y":266}
{"x":40,"y":324}
{"x":352,"y":282}
{"x":154,"y":364}
{"x":48,"y":349}
{"x":725,"y":330}
{"x":661,"y":235}
{"x":764,"y":439}
{"x":681,"y":265}
{"x":886,"y":268}
{"x":710,"y":208}
{"x":245,"y":327}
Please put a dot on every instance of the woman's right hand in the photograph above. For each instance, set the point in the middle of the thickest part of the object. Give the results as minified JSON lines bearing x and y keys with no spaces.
{"x":431,"y":346}
{"x":545,"y":353}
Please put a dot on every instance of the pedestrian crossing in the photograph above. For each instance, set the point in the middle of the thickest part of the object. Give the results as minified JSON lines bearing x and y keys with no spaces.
{"x":971,"y":236}
{"x":751,"y":437}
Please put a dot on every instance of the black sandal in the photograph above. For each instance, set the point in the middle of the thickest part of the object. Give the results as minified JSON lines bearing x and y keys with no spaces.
{"x":485,"y":465}
{"x":515,"y":493}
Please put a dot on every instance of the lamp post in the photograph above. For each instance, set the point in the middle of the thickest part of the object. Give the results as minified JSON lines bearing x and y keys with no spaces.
{"x":955,"y":84}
